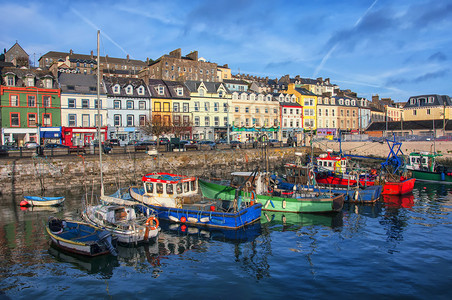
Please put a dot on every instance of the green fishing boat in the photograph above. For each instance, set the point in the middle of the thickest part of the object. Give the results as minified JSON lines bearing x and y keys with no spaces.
{"x":424,"y":167}
{"x":291,"y":202}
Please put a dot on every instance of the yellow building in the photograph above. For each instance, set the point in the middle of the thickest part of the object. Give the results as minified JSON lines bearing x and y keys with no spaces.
{"x":308,"y":101}
{"x":427,"y":107}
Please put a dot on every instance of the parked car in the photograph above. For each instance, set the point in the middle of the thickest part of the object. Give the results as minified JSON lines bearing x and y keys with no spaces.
{"x":222,"y":141}
{"x":144,"y":145}
{"x":112,"y":142}
{"x":55,"y":145}
{"x":31,"y":145}
{"x":105,"y":148}
{"x":132,"y":142}
{"x":164,"y":141}
{"x":235,"y":144}
{"x":210,"y":144}
{"x":274,"y":143}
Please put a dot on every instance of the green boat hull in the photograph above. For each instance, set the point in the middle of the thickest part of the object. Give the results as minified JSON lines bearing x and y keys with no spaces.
{"x":292,"y":221}
{"x":431,"y":176}
{"x":321,"y":204}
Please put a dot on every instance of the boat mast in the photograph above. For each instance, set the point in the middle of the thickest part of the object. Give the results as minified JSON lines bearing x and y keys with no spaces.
{"x":99,"y":118}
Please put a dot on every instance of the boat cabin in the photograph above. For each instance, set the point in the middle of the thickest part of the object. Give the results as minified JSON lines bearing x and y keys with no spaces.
{"x":114,"y":214}
{"x":169,"y":185}
{"x":422,"y":161}
{"x":329,"y":162}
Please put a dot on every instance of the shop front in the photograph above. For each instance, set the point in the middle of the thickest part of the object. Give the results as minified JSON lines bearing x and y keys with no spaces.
{"x":81,"y":136}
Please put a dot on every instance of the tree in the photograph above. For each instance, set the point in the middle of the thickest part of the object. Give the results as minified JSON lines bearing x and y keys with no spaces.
{"x":181,"y":125}
{"x":155,"y":126}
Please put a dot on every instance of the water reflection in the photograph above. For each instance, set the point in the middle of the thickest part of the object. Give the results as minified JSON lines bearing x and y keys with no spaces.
{"x":283,"y":221}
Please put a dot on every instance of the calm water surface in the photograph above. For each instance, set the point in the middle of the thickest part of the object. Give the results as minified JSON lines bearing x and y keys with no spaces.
{"x":397,"y":248}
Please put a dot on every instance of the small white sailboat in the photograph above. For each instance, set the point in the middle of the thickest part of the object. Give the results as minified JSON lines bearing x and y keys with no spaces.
{"x":41,"y":201}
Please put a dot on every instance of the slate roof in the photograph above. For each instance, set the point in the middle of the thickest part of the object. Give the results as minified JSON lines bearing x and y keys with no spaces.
{"x":212,"y":87}
{"x":88,"y":58}
{"x":110,"y":82}
{"x":170,"y":89}
{"x":409,"y":125}
{"x":78,"y":83}
{"x":233,"y":81}
{"x":290,"y":104}
{"x":439,"y":100}
{"x":21,"y":73}
{"x":305,"y":92}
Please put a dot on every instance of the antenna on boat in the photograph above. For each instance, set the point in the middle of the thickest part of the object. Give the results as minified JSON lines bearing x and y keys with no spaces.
{"x":99,"y":118}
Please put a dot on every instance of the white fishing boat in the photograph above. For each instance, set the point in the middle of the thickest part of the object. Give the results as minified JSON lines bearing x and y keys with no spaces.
{"x":123,"y":223}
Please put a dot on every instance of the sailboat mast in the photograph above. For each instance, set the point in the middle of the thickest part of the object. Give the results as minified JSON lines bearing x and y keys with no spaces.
{"x":99,"y":118}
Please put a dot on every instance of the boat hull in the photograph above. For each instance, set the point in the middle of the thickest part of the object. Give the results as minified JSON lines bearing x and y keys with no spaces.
{"x":321,"y":204}
{"x":43,"y":201}
{"x":398,"y":188}
{"x":431,"y":176}
{"x":81,"y":238}
{"x":199,"y":214}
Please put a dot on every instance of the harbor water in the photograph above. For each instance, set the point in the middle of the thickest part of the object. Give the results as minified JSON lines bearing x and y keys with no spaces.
{"x":400,"y":247}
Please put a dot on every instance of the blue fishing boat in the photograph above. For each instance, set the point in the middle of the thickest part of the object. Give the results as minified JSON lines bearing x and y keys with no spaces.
{"x":176,"y":198}
{"x":80,"y":238}
{"x":41,"y":201}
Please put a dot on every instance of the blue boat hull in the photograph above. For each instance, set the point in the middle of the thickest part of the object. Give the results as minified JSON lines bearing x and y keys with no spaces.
{"x":368,"y":194}
{"x":207,"y":218}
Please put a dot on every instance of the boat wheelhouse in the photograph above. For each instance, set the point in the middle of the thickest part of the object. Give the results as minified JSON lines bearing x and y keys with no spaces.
{"x":165,"y":189}
{"x":424,"y":167}
{"x":329,"y":161}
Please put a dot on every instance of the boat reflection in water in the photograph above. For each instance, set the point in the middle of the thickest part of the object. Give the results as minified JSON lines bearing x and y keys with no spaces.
{"x":103,"y":265}
{"x":398,"y":201}
{"x":49,"y":209}
{"x":280,"y":221}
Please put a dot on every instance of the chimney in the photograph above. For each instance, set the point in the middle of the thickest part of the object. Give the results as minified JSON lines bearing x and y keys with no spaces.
{"x":193,"y":55}
{"x":71,"y":52}
{"x":128,"y":58}
{"x":177,"y":53}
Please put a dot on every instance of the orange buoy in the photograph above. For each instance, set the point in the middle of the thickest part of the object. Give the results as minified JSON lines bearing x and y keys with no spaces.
{"x":183,"y":219}
{"x":212,"y":208}
{"x":24,"y":203}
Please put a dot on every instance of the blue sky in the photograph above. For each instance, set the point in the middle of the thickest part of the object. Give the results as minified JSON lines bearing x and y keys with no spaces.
{"x":392,"y":48}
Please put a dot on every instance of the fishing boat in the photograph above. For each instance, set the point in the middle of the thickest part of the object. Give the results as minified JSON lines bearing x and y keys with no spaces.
{"x":424,"y":167}
{"x":176,"y":198}
{"x":255,"y":187}
{"x":122,"y":222}
{"x":301,"y":175}
{"x":392,"y":176}
{"x":80,"y":238}
{"x":41,"y":201}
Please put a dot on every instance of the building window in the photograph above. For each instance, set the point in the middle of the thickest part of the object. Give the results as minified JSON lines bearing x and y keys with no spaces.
{"x":85,"y":103}
{"x":129,"y":104}
{"x":142,"y":120}
{"x":320,"y":112}
{"x":166,"y":106}
{"x":157,"y":106}
{"x":85,"y":120}
{"x":206,"y":106}
{"x":95,"y":103}
{"x":72,"y":120}
{"x":14,"y":100}
{"x":175,"y":107}
{"x":201,"y":92}
{"x":129,"y":90}
{"x":196,"y":121}
{"x":96,"y":120}
{"x":31,"y":101}
{"x":15,"y":119}
{"x":141,"y":90}
{"x":247,"y":109}
{"x":428,"y":111}
{"x":180,"y":91}
{"x":46,"y":101}
{"x":117,"y":104}
{"x":257,"y":110}
{"x":206,"y":121}
{"x":236,"y":109}
{"x":71,"y":103}
{"x":216,"y":106}
{"x":186,"y":107}
{"x":116,"y":89}
{"x":142,"y":105}
{"x":217,"y":121}
{"x":161,"y":90}
{"x":10,"y":81}
{"x":47,"y":120}
{"x":31,"y":120}
{"x":117,"y":120}
{"x":130,"y":121}
{"x":196,"y":106}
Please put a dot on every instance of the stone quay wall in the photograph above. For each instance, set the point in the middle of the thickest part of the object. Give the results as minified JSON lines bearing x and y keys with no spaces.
{"x":29,"y":175}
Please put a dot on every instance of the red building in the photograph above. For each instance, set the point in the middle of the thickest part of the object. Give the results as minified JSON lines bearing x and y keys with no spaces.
{"x":81,"y":136}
